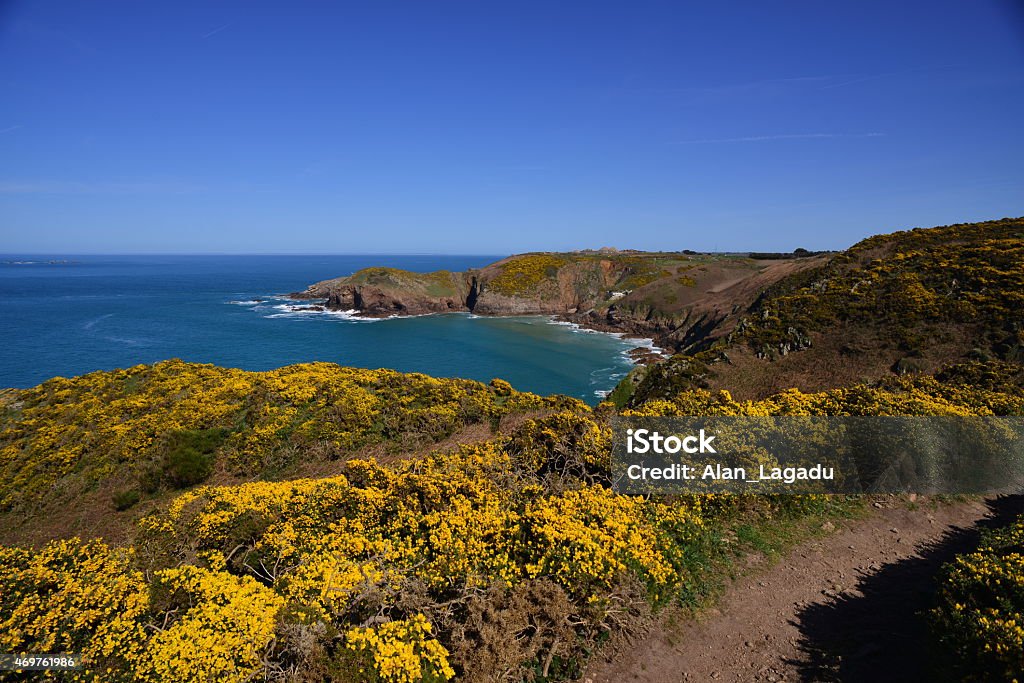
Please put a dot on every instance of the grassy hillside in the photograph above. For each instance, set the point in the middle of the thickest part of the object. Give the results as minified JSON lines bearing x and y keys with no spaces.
{"x":908,"y":302}
{"x":109,"y":440}
{"x":906,"y":285}
{"x":441,"y":283}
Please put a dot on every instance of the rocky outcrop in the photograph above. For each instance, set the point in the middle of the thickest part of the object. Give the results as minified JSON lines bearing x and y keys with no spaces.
{"x":377,"y":302}
{"x":381,"y":292}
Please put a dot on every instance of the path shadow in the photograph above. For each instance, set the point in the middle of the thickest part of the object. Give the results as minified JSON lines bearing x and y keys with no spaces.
{"x":882,"y":635}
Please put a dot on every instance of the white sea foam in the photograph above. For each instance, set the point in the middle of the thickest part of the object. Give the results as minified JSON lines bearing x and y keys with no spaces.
{"x":576,"y":327}
{"x":352,"y":314}
{"x":304,"y":311}
{"x":637,"y":342}
{"x":645,"y":343}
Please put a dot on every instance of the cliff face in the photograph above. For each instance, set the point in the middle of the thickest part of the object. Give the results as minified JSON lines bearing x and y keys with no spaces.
{"x":553,"y":284}
{"x":681,"y":299}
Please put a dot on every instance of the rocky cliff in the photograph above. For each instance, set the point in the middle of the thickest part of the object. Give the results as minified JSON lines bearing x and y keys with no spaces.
{"x":683,"y":300}
{"x":380,"y":292}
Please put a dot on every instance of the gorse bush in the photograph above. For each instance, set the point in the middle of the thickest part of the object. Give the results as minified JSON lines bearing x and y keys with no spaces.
{"x":123,"y":500}
{"x":980,"y":617}
{"x":393,"y":572}
{"x":400,"y":652}
{"x":187,"y":466}
{"x":74,"y":597}
{"x":377,"y":567}
{"x":170,"y":422}
{"x":522,"y":274}
{"x":91,"y":599}
{"x":907,"y":395}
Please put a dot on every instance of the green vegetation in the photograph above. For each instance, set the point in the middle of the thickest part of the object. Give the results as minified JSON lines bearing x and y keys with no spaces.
{"x":910,"y":302}
{"x":124,"y":500}
{"x":191,"y":454}
{"x":407,"y":562}
{"x":946,"y":299}
{"x":176,"y":423}
{"x":906,"y":395}
{"x":592,"y":276}
{"x":440,"y":283}
{"x":686,"y":281}
{"x":624,"y":390}
{"x":978,"y":621}
{"x":522,"y":274}
{"x":380,"y":275}
{"x":906,"y":284}
{"x":640,"y":271}
{"x":628,"y":289}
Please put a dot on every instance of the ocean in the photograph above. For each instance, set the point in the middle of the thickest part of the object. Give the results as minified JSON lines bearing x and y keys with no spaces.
{"x":69,"y":315}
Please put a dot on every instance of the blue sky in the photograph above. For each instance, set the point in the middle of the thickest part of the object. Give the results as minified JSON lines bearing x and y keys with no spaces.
{"x":493,"y":127}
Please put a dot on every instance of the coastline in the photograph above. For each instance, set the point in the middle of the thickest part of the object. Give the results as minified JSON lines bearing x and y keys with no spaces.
{"x":647,"y":350}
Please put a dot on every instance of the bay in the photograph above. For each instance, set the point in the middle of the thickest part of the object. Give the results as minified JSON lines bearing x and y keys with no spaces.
{"x":69,"y":315}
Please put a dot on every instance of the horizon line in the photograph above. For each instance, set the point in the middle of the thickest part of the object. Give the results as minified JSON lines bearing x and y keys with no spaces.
{"x":240,"y":253}
{"x":503,"y":254}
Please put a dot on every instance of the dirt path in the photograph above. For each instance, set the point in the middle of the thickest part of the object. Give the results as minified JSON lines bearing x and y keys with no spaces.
{"x":843,"y":607}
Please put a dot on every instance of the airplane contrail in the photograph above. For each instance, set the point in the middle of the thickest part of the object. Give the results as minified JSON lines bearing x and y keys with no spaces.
{"x":215,"y":31}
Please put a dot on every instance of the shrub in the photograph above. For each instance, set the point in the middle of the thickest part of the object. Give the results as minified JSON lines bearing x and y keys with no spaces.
{"x":162,"y":422}
{"x":980,"y":616}
{"x":400,"y":652}
{"x":73,"y":596}
{"x":125,"y":499}
{"x":191,"y":455}
{"x":522,"y":274}
{"x":509,"y":553}
{"x":904,"y":286}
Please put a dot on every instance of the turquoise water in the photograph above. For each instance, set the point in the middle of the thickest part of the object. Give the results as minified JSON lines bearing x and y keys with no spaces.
{"x":102,"y":312}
